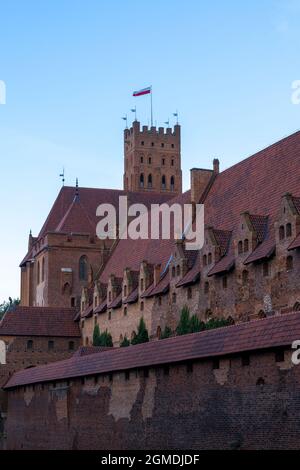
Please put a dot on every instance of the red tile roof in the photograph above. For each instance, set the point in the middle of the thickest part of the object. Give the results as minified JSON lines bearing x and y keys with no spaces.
{"x":192,"y":275}
{"x":264,"y":250}
{"x":295,"y":243}
{"x":101,"y":307}
{"x":225,"y":264}
{"x":262,"y":334}
{"x":40,"y":321}
{"x":132,"y":297}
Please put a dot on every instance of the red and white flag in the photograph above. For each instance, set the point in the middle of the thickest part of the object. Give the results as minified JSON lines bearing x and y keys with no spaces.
{"x":144,"y":91}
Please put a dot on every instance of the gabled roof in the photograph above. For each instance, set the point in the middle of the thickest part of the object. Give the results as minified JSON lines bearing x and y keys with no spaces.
{"x":271,"y":332}
{"x":264,"y":250}
{"x":260,"y":225}
{"x":40,"y":321}
{"x":76,"y":220}
{"x":101,"y":307}
{"x":295,"y":243}
{"x":193,"y":275}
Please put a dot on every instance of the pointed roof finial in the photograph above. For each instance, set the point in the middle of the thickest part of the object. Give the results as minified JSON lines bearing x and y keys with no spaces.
{"x":77,"y":190}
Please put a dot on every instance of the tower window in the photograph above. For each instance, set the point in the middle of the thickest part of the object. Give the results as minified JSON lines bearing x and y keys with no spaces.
{"x":141,"y":180}
{"x":204,"y":260}
{"x":162,"y":145}
{"x":172,"y":183}
{"x":142,"y":159}
{"x":163,"y":182}
{"x":125,"y":311}
{"x":172,"y":162}
{"x":172,"y":145}
{"x":142,"y":143}
{"x":149,"y":160}
{"x":150,"y":182}
{"x":71,"y":345}
{"x":142,"y":306}
{"x":163,"y":161}
{"x":152,"y":144}
{"x":289,"y":263}
{"x":83,"y":268}
{"x":38,"y":272}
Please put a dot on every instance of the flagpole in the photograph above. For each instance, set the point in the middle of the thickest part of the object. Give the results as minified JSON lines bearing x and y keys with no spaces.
{"x":151,"y":108}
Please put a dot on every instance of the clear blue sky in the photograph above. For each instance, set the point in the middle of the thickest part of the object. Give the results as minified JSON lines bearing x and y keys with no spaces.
{"x":70,"y":67}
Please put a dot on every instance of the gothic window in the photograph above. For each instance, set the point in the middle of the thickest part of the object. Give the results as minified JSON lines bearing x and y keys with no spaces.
{"x":71,"y":346}
{"x":141,"y":180}
{"x":289,"y":263}
{"x":109,"y":296}
{"x":142,"y":306}
{"x":43,"y":269}
{"x":178,"y":270}
{"x":288,"y":230}
{"x":83,"y":268}
{"x":163,"y":161}
{"x":125,"y":291}
{"x":109,"y":315}
{"x":172,"y":162}
{"x":67,"y":289}
{"x":29,"y":344}
{"x":50,"y":345}
{"x":281,"y":232}
{"x":162,"y":144}
{"x":125,"y":311}
{"x":246,"y":245}
{"x":245,"y":277}
{"x":150,"y":181}
{"x":158,"y":332}
{"x":142,"y":159}
{"x":189,"y":293}
{"x":204,"y":260}
{"x":174,"y":298}
{"x":38,"y":272}
{"x":261,"y":314}
{"x":206,"y":287}
{"x":142,"y":284}
{"x":172,"y":185}
{"x":96,"y":301}
{"x":224,"y":282}
{"x":149,"y":160}
{"x":265,"y":269}
{"x":163,"y":182}
{"x":209,"y":259}
{"x":173,"y":271}
{"x":240,"y":247}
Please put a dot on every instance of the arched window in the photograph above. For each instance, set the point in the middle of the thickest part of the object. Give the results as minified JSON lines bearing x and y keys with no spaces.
{"x":174,"y":298}
{"x":71,"y":346}
{"x":246,"y":245}
{"x":43,"y":269}
{"x":289,"y":263}
{"x":142,"y":306}
{"x":266,"y":269}
{"x":158,"y":332}
{"x":204,"y":260}
{"x":125,"y":311}
{"x":150,"y":181}
{"x":189,"y":293}
{"x":245,"y":277}
{"x":83,"y":268}
{"x":163,"y":182}
{"x":261,"y":314}
{"x":209,"y":259}
{"x":281,"y":232}
{"x":50,"y":345}
{"x":38,"y":272}
{"x":288,"y":230}
{"x":125,"y":291}
{"x":142,"y":159}
{"x":224,"y":282}
{"x":142,"y":285}
{"x":240,"y":247}
{"x":206,"y":287}
{"x":173,"y":271}
{"x":172,"y":183}
{"x":30,"y":344}
{"x":178,"y":270}
{"x":141,"y":180}
{"x":67,"y":289}
{"x":109,"y":296}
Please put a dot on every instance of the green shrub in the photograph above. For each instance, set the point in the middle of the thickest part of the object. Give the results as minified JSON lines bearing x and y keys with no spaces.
{"x":142,"y":334}
{"x":101,"y":339}
{"x":125,"y":343}
{"x":183,"y":326}
{"x":167,"y":333}
{"x":196,"y":324}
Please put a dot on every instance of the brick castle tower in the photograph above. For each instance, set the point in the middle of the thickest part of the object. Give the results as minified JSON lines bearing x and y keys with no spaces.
{"x":152,"y":160}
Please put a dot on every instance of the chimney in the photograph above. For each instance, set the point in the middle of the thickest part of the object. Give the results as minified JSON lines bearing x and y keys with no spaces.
{"x":216,"y":166}
{"x":199,"y":181}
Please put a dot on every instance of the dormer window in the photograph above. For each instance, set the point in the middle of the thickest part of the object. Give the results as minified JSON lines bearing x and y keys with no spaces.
{"x":178,"y":270}
{"x":245,"y":277}
{"x":209,"y":259}
{"x":289,"y":263}
{"x":240,"y":247}
{"x":288,"y":230}
{"x":246,"y":245}
{"x":173,"y":271}
{"x":125,"y":291}
{"x":109,"y":296}
{"x":281,"y":232}
{"x":142,"y":284}
{"x":204,"y":260}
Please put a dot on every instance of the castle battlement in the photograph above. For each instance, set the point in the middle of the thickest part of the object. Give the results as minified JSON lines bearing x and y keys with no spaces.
{"x":151,"y":131}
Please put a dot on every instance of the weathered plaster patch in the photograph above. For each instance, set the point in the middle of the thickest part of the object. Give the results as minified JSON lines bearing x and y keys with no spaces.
{"x":149,"y":397}
{"x":28,"y":395}
{"x":221,"y":374}
{"x":123,"y":396}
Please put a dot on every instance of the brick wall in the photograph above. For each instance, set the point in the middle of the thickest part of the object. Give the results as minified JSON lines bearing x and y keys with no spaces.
{"x":236,"y":406}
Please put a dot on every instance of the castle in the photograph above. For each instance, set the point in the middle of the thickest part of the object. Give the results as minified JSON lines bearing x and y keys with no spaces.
{"x":247,"y":272}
